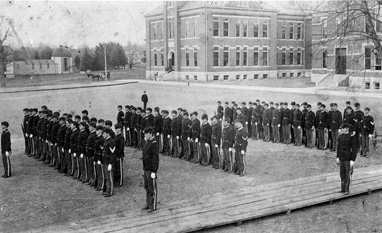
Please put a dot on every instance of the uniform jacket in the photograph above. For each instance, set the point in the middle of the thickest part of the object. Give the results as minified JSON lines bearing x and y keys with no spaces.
{"x":25,"y":123}
{"x":220,"y":111}
{"x":266,"y":116}
{"x":5,"y":141}
{"x":119,"y":146}
{"x":216,"y":133}
{"x":90,"y":144}
{"x":120,"y":117}
{"x":167,"y":122}
{"x":158,"y":124}
{"x":309,"y":120}
{"x":44,"y":128}
{"x":175,"y":131}
{"x":347,"y":147}
{"x":144,"y":98}
{"x":317,"y":118}
{"x":61,"y":135}
{"x":195,"y":129}
{"x":108,"y":154}
{"x":367,"y":125}
{"x":49,"y":130}
{"x":54,"y":134}
{"x":351,"y":120}
{"x":36,"y":120}
{"x":335,"y":120}
{"x":205,"y":133}
{"x":186,"y":128}
{"x":287,"y":116}
{"x":98,"y":147}
{"x":82,"y":140}
{"x":228,"y":113}
{"x":358,"y":116}
{"x":150,"y":157}
{"x":228,"y":137}
{"x":149,"y":120}
{"x":242,"y":118}
{"x":127,"y":119}
{"x":241,"y":140}
{"x":297,"y":118}
{"x":74,"y":141}
{"x":276,"y":117}
{"x":30,"y":124}
{"x":39,"y":126}
{"x":323,"y":120}
{"x":304,"y":112}
{"x":249,"y":115}
{"x":134,"y":120}
{"x":244,"y":111}
{"x":138,"y":124}
{"x":68,"y":135}
{"x":256,"y":114}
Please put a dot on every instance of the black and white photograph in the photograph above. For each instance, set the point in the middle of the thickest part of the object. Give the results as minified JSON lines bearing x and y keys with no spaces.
{"x":191,"y":116}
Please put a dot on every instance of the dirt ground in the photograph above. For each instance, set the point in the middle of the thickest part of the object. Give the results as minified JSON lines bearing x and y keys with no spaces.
{"x":38,"y":196}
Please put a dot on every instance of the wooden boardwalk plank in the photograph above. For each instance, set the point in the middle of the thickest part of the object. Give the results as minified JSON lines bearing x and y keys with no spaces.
{"x":263,"y":199}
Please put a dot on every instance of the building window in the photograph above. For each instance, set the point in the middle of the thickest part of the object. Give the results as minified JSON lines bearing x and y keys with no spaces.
{"x":162,"y":57}
{"x":238,"y":29}
{"x":265,"y":76}
{"x":291,"y":27}
{"x":194,"y":28}
{"x":225,"y":56}
{"x":255,"y":56}
{"x":244,"y":76}
{"x":153,"y":30}
{"x":186,"y":28}
{"x":32,"y":66}
{"x":377,"y":62}
{"x":298,"y":60}
{"x":155,"y":58}
{"x":225,"y":27}
{"x":256,"y":28}
{"x":216,"y":77}
{"x":225,"y":77}
{"x":159,"y":31}
{"x":40,"y":66}
{"x":324,"y":57}
{"x":187,"y":77}
{"x":237,"y":76}
{"x":283,"y":57}
{"x":195,"y":57}
{"x":187,"y":57}
{"x":195,"y":77}
{"x":299,"y":74}
{"x":18,"y":66}
{"x":283,"y":31}
{"x":255,"y":76}
{"x":367,"y":58}
{"x":367,"y":85}
{"x":216,"y":56}
{"x":245,"y":56}
{"x":291,"y":75}
{"x":265,"y":56}
{"x":324,"y":28}
{"x":299,"y":32}
{"x":265,"y":28}
{"x":237,"y":56}
{"x":245,"y":29}
{"x":216,"y":26}
{"x":376,"y":86}
{"x":291,"y":57}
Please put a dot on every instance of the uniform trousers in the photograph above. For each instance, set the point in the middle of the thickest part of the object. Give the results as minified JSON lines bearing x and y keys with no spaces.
{"x":365,"y":144}
{"x":6,"y":164}
{"x":286,"y":133}
{"x":166,"y":145}
{"x":309,"y":137}
{"x":345,"y":173}
{"x":118,"y":171}
{"x":334,"y":133}
{"x":276,"y":133}
{"x":297,"y":135}
{"x":227,"y":160}
{"x":100,"y":177}
{"x":151,"y":190}
{"x":240,"y":161}
{"x":91,"y":169}
{"x":216,"y":160}
{"x":321,"y":139}
{"x":255,"y":131}
{"x":266,"y":132}
{"x":109,"y":179}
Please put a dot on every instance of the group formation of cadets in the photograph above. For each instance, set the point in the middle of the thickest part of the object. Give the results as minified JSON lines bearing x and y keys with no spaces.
{"x":182,"y":135}
{"x":86,"y":149}
{"x":277,"y":123}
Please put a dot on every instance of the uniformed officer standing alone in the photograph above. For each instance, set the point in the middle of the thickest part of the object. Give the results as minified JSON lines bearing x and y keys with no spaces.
{"x":150,"y":161}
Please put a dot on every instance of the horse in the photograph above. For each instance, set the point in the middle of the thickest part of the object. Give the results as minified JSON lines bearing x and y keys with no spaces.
{"x":94,"y":76}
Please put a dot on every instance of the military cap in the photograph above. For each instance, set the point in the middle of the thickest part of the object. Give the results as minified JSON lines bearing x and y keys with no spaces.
{"x":99,"y":127}
{"x":109,"y":123}
{"x":149,"y":130}
{"x":118,"y":126}
{"x":93,"y":124}
{"x":5,"y":123}
{"x":344,"y":125}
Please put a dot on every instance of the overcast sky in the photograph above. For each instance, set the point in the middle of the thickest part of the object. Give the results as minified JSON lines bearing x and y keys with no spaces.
{"x":77,"y":23}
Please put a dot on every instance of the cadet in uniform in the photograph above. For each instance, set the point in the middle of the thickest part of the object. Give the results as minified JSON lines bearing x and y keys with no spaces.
{"x":150,"y":160}
{"x":266,"y":121}
{"x":346,"y":155}
{"x":120,"y":154}
{"x":167,"y":123}
{"x":133,"y":128}
{"x":276,"y":123}
{"x":309,"y":126}
{"x":220,"y":110}
{"x":241,"y":142}
{"x":174,"y":150}
{"x":81,"y":152}
{"x":108,"y":159}
{"x":98,"y":146}
{"x":61,"y":165}
{"x":205,"y":140}
{"x":297,"y":129}
{"x":350,"y":119}
{"x":227,"y":145}
{"x":90,"y":149}
{"x":358,"y":128}
{"x":227,"y":111}
{"x":195,"y":134}
{"x":287,"y":119}
{"x":127,"y":122}
{"x":215,"y":142}
{"x":186,"y":128}
{"x":158,"y":125}
{"x":54,"y":136}
{"x":6,"y":150}
{"x":73,"y":150}
{"x":67,"y":149}
{"x":323,"y":124}
{"x":367,"y":132}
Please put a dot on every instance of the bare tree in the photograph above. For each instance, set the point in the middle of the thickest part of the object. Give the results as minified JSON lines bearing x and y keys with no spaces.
{"x":5,"y":33}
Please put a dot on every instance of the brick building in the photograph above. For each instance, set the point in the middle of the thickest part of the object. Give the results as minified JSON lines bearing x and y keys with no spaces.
{"x":216,"y":40}
{"x":342,"y":53}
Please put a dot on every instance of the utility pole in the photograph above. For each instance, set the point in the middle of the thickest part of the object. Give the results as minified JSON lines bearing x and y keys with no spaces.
{"x":105,"y":65}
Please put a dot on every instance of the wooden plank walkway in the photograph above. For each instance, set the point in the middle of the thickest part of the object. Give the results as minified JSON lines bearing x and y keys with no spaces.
{"x":227,"y":208}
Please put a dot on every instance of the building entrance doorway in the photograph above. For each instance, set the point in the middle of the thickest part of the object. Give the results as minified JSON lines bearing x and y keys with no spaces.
{"x":340,"y":60}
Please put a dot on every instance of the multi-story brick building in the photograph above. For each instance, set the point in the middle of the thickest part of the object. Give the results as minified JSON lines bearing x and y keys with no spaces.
{"x":343,"y":50}
{"x":216,"y":40}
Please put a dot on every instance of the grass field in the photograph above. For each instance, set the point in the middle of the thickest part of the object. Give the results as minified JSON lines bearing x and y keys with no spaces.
{"x":38,"y":196}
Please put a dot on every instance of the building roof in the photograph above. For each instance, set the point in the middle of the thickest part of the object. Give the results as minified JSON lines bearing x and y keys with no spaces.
{"x":61,"y":52}
{"x":282,"y":7}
